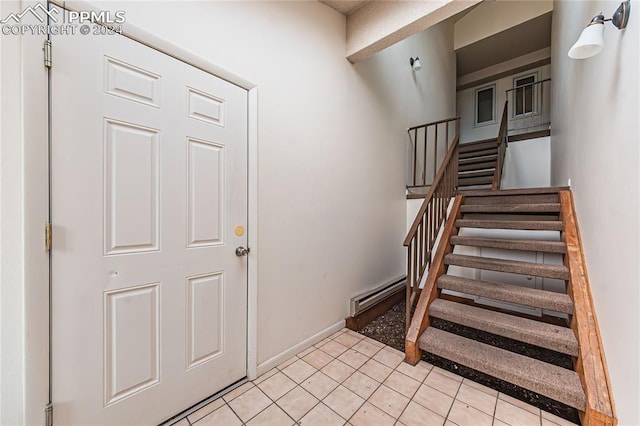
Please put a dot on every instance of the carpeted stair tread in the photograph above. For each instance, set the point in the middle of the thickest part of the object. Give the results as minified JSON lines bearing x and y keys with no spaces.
{"x":541,"y":299}
{"x":475,"y":181}
{"x":559,"y":272}
{"x":479,"y":153}
{"x":475,"y":160}
{"x":512,"y":208}
{"x":531,"y":225}
{"x":524,"y":191}
{"x":510,"y":199}
{"x":507,"y":244}
{"x":549,"y":336}
{"x":546,"y":379}
{"x":477,"y":166}
{"x":477,"y":146}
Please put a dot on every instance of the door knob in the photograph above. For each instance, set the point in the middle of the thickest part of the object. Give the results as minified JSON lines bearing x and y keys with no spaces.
{"x":241,"y":251}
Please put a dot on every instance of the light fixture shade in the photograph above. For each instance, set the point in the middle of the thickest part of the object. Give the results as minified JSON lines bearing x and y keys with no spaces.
{"x":590,"y":42}
{"x":416,"y":64}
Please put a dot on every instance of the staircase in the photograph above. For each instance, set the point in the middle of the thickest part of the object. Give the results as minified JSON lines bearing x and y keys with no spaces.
{"x":477,"y":162}
{"x":514,"y":222}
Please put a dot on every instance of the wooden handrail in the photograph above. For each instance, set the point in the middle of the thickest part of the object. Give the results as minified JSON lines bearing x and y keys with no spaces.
{"x":502,"y":148}
{"x":421,"y":320}
{"x":412,"y":231}
{"x":425,"y":141}
{"x":590,"y":364}
{"x":433,"y":123}
{"x":422,"y":236}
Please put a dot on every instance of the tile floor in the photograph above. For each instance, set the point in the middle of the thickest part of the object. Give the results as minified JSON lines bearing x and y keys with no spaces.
{"x":349,"y":379}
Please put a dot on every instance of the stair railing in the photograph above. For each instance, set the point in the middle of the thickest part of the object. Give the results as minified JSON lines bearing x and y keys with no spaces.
{"x":425,"y":140}
{"x":502,"y":147}
{"x":422,"y":237}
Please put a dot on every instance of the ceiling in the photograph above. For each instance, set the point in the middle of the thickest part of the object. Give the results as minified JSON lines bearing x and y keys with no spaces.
{"x":346,"y":7}
{"x":527,"y":37}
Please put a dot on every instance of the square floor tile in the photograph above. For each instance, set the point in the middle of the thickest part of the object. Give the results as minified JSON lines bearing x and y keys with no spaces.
{"x":207,"y":409}
{"x":347,"y":340}
{"x":389,"y":357}
{"x":318,"y":359}
{"x":288,"y":362}
{"x":366,"y":348}
{"x":297,"y":403}
{"x":416,"y":415}
{"x":250,"y":403}
{"x":334,"y":348}
{"x":389,"y":401}
{"x":306,"y":351}
{"x":338,"y":370}
{"x":265,"y":376}
{"x":376,"y":370}
{"x":299,"y":371}
{"x":480,"y":387}
{"x":343,"y":402}
{"x":321,"y":415}
{"x":513,"y":415}
{"x":277,"y":385}
{"x":319,"y":385}
{"x":434,"y":400}
{"x":222,"y":416}
{"x":353,"y":358}
{"x":465,"y":415}
{"x":521,"y":404}
{"x":361,"y":384}
{"x":322,"y":342}
{"x":477,"y":399}
{"x":273,"y":415}
{"x":355,"y":334}
{"x":417,"y":372}
{"x":338,"y":333}
{"x":369,"y":415}
{"x":497,"y":422}
{"x":237,"y":391}
{"x":402,"y":384}
{"x":448,"y":374}
{"x":442,"y":383}
{"x":374,"y":342}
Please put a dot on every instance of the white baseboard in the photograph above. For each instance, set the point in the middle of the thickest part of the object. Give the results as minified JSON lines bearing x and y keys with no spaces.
{"x":294,"y":350}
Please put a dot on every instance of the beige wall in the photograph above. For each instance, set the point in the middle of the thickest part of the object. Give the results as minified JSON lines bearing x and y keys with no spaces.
{"x":594,"y":142}
{"x":492,"y":17}
{"x":331,"y":156}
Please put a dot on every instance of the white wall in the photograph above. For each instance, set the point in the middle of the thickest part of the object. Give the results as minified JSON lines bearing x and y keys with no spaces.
{"x":594,"y":142}
{"x":332,"y":142}
{"x":466,"y":105}
{"x":527,"y":164}
{"x":331,"y":147}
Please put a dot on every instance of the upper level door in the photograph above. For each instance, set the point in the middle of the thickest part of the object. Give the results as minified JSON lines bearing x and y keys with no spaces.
{"x":149,"y":203}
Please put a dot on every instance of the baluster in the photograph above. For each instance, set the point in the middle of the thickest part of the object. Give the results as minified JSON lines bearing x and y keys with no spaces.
{"x":415,"y":155}
{"x":424,"y":165}
{"x":435,"y":153}
{"x":420,"y":247}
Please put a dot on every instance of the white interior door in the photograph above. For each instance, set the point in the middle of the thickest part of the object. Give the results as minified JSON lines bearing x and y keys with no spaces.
{"x":149,"y":202}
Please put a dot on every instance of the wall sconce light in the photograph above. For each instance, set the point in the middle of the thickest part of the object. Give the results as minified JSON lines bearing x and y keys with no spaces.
{"x":591,"y":40}
{"x":415,"y":63}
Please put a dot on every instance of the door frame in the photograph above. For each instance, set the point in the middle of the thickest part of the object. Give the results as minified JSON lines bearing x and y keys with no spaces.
{"x":33,"y":191}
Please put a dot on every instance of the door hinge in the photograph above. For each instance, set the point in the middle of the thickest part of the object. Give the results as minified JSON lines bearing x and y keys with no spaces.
{"x":48,"y":412}
{"x":48,"y":54}
{"x":47,"y":236}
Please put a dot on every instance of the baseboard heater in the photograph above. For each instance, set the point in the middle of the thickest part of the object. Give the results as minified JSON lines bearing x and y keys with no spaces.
{"x":366,"y":300}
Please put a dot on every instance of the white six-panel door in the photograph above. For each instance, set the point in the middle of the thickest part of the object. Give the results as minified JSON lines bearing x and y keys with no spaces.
{"x":149,"y":202}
